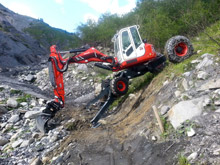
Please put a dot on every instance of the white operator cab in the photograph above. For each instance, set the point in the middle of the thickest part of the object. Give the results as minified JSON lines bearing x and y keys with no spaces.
{"x":128,"y":44}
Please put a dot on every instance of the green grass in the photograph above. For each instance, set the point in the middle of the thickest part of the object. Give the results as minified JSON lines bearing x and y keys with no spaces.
{"x":1,"y":89}
{"x":14,"y":91}
{"x":203,"y":41}
{"x":182,"y":160}
{"x":168,"y":128}
{"x":24,"y":98}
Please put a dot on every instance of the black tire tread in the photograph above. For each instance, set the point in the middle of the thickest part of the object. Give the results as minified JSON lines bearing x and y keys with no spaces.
{"x":170,"y":46}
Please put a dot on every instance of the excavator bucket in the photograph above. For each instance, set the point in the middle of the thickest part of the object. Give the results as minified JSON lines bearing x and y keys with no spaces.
{"x":42,"y":122}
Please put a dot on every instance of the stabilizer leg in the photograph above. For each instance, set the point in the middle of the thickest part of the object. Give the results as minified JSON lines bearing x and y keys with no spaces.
{"x":103,"y":109}
{"x":97,"y":98}
{"x":104,"y":92}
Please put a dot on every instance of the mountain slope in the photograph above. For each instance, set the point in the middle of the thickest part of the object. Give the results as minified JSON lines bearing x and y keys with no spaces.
{"x":25,"y":40}
{"x":16,"y":47}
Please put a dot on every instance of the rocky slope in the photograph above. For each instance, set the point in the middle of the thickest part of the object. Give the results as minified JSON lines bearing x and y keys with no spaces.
{"x":17,"y":47}
{"x":129,"y":134}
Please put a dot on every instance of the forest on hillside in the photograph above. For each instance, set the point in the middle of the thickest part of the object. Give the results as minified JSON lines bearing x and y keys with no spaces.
{"x":158,"y":19}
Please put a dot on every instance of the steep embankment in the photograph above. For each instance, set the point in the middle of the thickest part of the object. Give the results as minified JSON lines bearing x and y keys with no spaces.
{"x":25,"y":40}
{"x":185,"y":93}
{"x":17,"y":47}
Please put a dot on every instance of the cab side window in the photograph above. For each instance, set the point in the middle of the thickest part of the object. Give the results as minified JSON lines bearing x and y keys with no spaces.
{"x":126,"y":43}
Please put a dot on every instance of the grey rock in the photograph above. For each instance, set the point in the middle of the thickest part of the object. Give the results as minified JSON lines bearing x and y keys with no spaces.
{"x":84,"y":78}
{"x":85,"y":98}
{"x":11,"y":102}
{"x":154,"y":138}
{"x":202,"y":75}
{"x":31,"y":140}
{"x":59,"y":159}
{"x":3,"y":110}
{"x":195,"y":61}
{"x":98,"y":88}
{"x":218,"y":110}
{"x":191,"y":132}
{"x":216,"y":152}
{"x":37,"y":161}
{"x":204,"y":63}
{"x":192,"y":156}
{"x":82,"y":67}
{"x":185,"y":110}
{"x":24,"y":104}
{"x":25,"y":143}
{"x":3,"y":141}
{"x":17,"y":143}
{"x":54,"y":138}
{"x":30,"y":78}
{"x":177,"y":93}
{"x":31,"y":114}
{"x":35,"y":135}
{"x":165,"y":83}
{"x":71,"y":163}
{"x":185,"y":84}
{"x":132,"y":96}
{"x":3,"y":125}
{"x":207,"y":55}
{"x":217,"y":102}
{"x":207,"y":101}
{"x":217,"y":91}
{"x":13,"y":119}
{"x":164,"y":110}
{"x":186,"y":74}
{"x":211,"y":84}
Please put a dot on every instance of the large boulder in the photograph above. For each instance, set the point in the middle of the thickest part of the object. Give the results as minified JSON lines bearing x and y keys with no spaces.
{"x":185,"y":110}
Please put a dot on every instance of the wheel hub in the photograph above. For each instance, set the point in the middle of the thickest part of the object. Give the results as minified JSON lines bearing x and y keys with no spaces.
{"x":181,"y":49}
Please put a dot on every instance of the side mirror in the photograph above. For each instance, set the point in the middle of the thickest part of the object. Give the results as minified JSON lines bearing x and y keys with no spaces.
{"x":145,"y":41}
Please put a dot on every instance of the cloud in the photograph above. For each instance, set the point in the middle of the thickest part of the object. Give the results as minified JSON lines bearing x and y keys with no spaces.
{"x":59,"y":1}
{"x":22,"y":9}
{"x":111,"y":6}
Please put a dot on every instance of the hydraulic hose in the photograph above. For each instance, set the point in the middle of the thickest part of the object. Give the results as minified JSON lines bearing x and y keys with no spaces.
{"x":56,"y":64}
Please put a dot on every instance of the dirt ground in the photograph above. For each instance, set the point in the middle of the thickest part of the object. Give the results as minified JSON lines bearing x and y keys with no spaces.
{"x":124,"y":137}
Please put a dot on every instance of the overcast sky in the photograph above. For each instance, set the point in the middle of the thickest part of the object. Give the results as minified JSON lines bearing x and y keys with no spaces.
{"x":68,"y":14}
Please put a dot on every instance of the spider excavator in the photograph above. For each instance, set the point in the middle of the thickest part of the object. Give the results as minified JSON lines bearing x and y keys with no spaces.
{"x":133,"y":57}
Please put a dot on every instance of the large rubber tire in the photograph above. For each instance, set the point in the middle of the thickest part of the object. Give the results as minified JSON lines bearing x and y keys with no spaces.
{"x":119,"y":86}
{"x":178,"y":48}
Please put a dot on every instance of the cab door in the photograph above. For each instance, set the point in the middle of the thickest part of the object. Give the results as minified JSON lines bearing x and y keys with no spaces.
{"x":137,"y":41}
{"x":127,"y":46}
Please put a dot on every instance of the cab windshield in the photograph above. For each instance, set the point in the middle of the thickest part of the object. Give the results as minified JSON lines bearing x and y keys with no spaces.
{"x":136,"y":37}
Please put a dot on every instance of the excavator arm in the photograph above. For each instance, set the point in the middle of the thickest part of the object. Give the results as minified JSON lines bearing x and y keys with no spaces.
{"x":58,"y":65}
